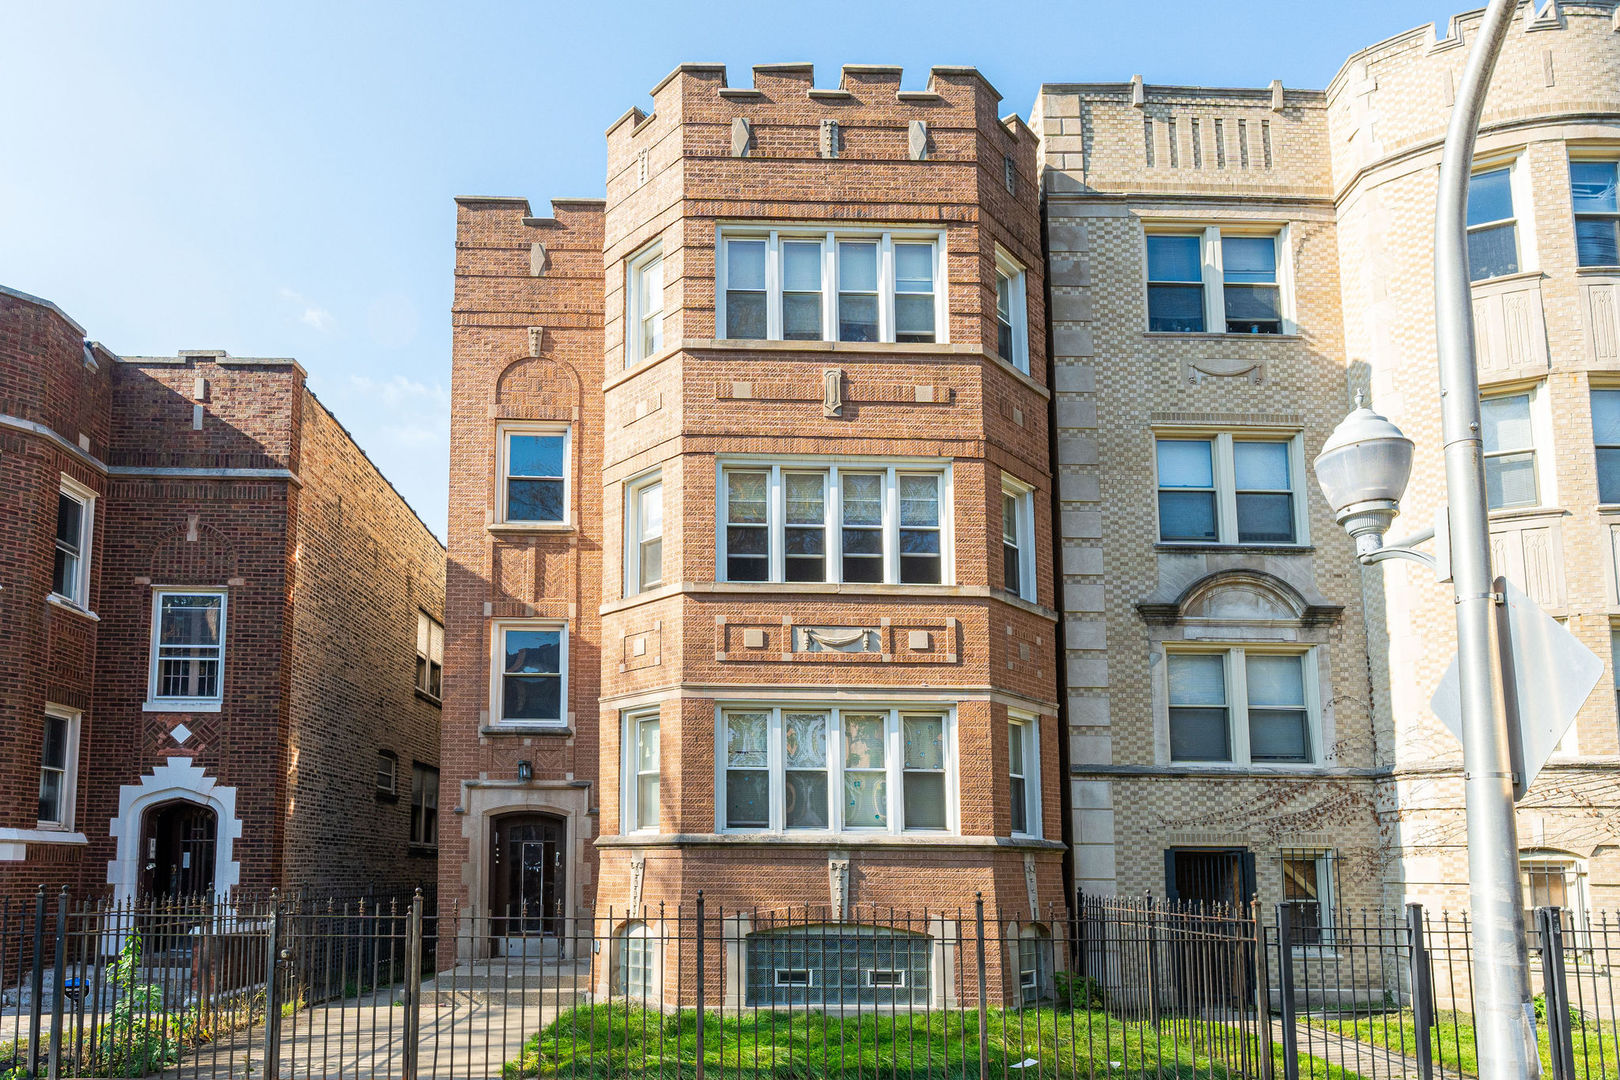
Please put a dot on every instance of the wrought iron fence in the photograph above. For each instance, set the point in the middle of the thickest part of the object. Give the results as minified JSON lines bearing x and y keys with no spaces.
{"x":401,"y":987}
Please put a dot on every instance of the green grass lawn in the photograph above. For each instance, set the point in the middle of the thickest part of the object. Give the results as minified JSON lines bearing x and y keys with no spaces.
{"x":1597,"y":1051}
{"x":613,"y":1041}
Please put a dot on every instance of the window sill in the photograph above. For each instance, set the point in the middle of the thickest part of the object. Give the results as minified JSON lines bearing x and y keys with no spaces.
{"x":1513,"y":513}
{"x":68,"y":605}
{"x":525,"y":527}
{"x":905,"y":348}
{"x":526,"y":729}
{"x":183,"y":706}
{"x":422,"y":851}
{"x":44,"y":834}
{"x":1233,"y":768}
{"x":1169,"y":546}
{"x":1217,"y":335}
{"x":437,"y":703}
{"x":1598,"y":271}
{"x":778,"y":589}
{"x":387,"y":796}
{"x":1502,"y":279}
{"x":823,"y":840}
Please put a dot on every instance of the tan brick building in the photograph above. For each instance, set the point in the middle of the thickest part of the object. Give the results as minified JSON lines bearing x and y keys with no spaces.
{"x":1227,"y":268}
{"x":750,"y":522}
{"x":220,"y":659}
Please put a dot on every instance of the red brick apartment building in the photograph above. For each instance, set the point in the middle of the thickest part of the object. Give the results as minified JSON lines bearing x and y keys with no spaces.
{"x":221,"y":663}
{"x":750,"y":583}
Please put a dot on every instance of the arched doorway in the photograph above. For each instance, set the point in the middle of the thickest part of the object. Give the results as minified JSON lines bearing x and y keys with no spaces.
{"x":178,"y":841}
{"x":528,"y":883}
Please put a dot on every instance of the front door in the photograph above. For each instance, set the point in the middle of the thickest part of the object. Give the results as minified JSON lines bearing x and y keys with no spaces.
{"x":1207,"y":933}
{"x":177,"y":842}
{"x":528,"y":882}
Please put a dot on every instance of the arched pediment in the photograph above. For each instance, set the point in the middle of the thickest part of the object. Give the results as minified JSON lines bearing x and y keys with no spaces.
{"x":538,"y":388}
{"x":1241,"y":596}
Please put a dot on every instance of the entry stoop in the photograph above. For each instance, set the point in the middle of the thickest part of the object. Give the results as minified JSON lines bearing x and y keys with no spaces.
{"x":549,"y":981}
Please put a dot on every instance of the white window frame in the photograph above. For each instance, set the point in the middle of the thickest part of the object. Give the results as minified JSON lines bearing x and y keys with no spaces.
{"x":633,"y":585}
{"x":498,"y":629}
{"x":433,"y":656}
{"x":1018,"y":300}
{"x":1214,"y":274}
{"x":630,"y":743}
{"x":829,"y":235}
{"x":1225,"y":475}
{"x":1031,"y":774}
{"x":1024,"y":523}
{"x":1592,"y":155}
{"x":1234,"y":658}
{"x":636,"y":308}
{"x":1541,"y":444}
{"x":392,"y":787}
{"x":214,"y":703}
{"x":503,"y":450}
{"x":894,"y":765}
{"x":79,"y":597}
{"x":776,"y":513}
{"x":70,"y":774}
{"x":1325,"y":885}
{"x":1521,"y":188}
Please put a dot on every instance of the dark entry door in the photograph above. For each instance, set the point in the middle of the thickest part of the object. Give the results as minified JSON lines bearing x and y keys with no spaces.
{"x":1208,"y":934}
{"x":177,"y":840}
{"x":528,"y":875}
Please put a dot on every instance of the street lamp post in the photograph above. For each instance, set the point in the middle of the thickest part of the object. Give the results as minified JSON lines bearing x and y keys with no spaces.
{"x":1361,"y":451}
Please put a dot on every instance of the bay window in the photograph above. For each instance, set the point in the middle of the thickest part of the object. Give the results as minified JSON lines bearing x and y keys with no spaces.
{"x":1241,"y":706}
{"x":1017,"y":534}
{"x":804,"y":284}
{"x":1024,"y":775}
{"x":641,"y":795}
{"x":1597,"y":211}
{"x":1012,"y":313}
{"x":644,"y":307}
{"x":1508,"y":431}
{"x":843,"y":769}
{"x":1493,"y":231}
{"x":70,"y":571}
{"x":644,"y":535}
{"x":852,"y":523}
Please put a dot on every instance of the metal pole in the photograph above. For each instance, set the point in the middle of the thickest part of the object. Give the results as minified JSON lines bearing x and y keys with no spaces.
{"x":984,"y":1004}
{"x":59,"y":970}
{"x":413,"y":989}
{"x":1285,"y":991}
{"x":1560,"y":1040}
{"x":1504,"y":1022}
{"x":272,"y":990}
{"x":1417,"y":959}
{"x":700,"y":985}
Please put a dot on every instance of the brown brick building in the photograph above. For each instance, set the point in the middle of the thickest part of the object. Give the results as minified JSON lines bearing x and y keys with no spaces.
{"x":215,"y":603}
{"x":750,"y":584}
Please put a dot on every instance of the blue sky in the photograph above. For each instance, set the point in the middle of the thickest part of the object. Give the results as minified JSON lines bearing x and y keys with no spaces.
{"x":276,"y":179}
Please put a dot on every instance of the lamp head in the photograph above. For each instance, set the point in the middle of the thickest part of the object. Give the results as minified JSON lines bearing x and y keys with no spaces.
{"x":1363,"y":470}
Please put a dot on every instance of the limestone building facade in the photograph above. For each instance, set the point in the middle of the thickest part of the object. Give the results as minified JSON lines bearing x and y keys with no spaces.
{"x":1247,"y":711}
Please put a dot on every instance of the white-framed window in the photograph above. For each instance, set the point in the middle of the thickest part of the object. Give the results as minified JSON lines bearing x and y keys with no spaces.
{"x":1553,"y":879}
{"x":644,"y":306}
{"x":1512,"y":427}
{"x":1242,"y":705}
{"x":1012,"y":313}
{"x":1230,"y":488}
{"x":835,"y":769}
{"x":1213,"y":279}
{"x":75,"y":533}
{"x":1307,"y":888}
{"x":633,"y":974}
{"x":1024,"y":774}
{"x":387,"y":772}
{"x":644,"y":534}
{"x":58,"y":768}
{"x":1017,"y":539}
{"x":534,"y":487}
{"x":847,"y":522}
{"x":1493,"y":228}
{"x":429,"y":655}
{"x":424,"y":804}
{"x":530,"y":666}
{"x":1592,"y":187}
{"x":188,"y":648}
{"x":802,"y":283}
{"x":1606,"y":443}
{"x":1034,"y":962}
{"x":640,"y":741}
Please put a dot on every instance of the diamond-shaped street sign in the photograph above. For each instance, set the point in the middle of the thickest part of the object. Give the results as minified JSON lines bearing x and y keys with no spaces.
{"x":1546,"y":676}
